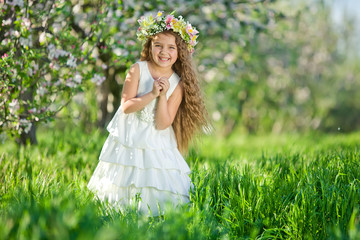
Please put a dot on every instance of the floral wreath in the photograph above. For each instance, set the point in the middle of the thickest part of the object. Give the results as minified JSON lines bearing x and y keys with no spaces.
{"x":152,"y":25}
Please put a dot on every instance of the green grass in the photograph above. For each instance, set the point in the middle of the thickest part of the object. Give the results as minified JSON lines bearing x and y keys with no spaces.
{"x":246,"y":187}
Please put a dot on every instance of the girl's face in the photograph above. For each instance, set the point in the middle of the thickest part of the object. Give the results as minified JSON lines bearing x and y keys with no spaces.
{"x":164,"y":50}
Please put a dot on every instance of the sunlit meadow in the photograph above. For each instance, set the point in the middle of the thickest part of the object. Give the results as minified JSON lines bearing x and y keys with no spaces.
{"x":245,"y":187}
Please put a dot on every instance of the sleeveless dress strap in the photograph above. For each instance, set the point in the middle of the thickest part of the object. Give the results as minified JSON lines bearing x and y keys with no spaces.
{"x":141,"y":65}
{"x":174,"y":80}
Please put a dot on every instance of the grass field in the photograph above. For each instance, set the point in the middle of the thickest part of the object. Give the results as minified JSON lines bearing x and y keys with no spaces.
{"x":245,"y":187}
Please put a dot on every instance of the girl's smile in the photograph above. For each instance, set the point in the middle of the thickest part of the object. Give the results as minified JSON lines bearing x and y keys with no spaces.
{"x":164,"y":59}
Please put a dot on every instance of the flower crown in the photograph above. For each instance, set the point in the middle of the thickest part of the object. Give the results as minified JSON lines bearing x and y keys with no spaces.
{"x":152,"y":25}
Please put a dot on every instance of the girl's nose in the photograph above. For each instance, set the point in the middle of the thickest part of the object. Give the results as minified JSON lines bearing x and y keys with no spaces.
{"x":163,"y":50}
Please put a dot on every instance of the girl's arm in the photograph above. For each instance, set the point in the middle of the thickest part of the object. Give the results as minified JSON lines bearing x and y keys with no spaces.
{"x":129,"y":102}
{"x":166,"y":109}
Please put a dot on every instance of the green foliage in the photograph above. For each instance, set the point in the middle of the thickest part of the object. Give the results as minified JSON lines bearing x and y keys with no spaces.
{"x":244,"y":188}
{"x":281,"y":69}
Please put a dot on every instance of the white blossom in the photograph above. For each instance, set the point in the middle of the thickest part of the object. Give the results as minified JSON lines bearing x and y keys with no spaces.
{"x":77,"y":78}
{"x":41,"y":91}
{"x":56,"y":53}
{"x":51,"y":47}
{"x":42,"y":37}
{"x":26,"y":22}
{"x":16,"y":34}
{"x":19,"y":3}
{"x":121,"y":52}
{"x":13,"y":106}
{"x":71,"y":62}
{"x":74,"y":82}
{"x":70,"y":83}
{"x":54,"y":65}
{"x":97,"y":79}
{"x":6,"y":22}
{"x":5,"y":41}
{"x":26,"y":41}
{"x":24,"y":125}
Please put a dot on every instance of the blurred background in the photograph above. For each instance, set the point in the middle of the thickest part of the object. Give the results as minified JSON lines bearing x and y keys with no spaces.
{"x":266,"y":66}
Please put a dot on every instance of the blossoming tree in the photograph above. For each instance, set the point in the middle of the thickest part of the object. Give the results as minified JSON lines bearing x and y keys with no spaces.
{"x":44,"y":47}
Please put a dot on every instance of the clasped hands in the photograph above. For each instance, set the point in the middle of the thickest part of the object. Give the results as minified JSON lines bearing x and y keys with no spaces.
{"x":161,"y":86}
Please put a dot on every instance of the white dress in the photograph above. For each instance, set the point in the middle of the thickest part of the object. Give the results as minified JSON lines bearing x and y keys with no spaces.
{"x":137,"y":159}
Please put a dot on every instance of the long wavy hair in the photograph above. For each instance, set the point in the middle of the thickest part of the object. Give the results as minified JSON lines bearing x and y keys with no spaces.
{"x":191,"y":116}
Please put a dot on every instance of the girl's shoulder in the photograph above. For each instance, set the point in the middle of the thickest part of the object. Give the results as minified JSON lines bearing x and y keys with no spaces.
{"x":134,"y":69}
{"x":140,"y":63}
{"x":139,"y":66}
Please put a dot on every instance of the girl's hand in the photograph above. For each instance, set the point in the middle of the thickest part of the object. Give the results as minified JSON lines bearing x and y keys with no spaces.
{"x":165,"y":85}
{"x":156,"y":88}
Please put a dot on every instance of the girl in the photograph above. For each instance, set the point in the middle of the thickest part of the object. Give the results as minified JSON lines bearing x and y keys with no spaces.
{"x":161,"y":108}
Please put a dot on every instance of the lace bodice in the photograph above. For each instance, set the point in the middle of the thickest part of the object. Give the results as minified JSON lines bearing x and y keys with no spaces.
{"x":147,"y":114}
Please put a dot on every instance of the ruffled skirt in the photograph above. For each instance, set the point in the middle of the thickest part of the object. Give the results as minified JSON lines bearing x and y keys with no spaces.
{"x":154,"y":175}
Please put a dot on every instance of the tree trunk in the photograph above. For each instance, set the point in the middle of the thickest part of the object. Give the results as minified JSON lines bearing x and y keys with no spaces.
{"x":110,"y":86}
{"x":29,"y":137}
{"x":104,"y":93}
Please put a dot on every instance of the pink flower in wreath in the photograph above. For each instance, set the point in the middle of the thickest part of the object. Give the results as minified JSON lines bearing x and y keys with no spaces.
{"x":141,"y":19}
{"x":169,"y":19}
{"x":192,"y":32}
